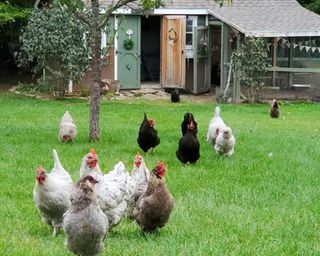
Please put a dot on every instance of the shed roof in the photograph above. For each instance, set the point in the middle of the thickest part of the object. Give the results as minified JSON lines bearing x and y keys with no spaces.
{"x":263,"y":18}
{"x":269,"y":18}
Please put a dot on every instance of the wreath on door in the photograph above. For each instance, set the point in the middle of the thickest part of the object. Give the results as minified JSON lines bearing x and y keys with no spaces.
{"x":128,"y":44}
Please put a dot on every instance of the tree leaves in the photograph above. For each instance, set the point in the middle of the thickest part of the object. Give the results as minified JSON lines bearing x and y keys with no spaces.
{"x":251,"y":63}
{"x":56,"y":33}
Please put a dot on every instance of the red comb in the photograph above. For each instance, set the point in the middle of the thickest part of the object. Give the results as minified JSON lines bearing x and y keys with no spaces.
{"x":93,"y":151}
{"x":160,"y":165}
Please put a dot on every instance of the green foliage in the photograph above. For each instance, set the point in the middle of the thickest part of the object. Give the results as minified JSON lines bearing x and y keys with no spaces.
{"x":312,"y":5}
{"x":128,"y":44}
{"x":10,"y":13}
{"x":151,"y":4}
{"x":251,"y":63}
{"x":41,"y":86}
{"x":222,"y":2}
{"x":58,"y":42}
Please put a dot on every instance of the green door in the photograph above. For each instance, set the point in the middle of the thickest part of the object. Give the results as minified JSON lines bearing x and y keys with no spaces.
{"x":128,"y":52}
{"x":202,"y":59}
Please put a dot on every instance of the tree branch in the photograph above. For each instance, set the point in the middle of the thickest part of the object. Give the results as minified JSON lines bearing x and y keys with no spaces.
{"x":112,"y":7}
{"x":83,"y":18}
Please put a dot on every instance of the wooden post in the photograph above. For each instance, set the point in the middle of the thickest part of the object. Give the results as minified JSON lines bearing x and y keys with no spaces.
{"x":224,"y":56}
{"x":236,"y":84}
{"x":274,"y":61}
{"x":291,"y":50}
{"x":70,"y":86}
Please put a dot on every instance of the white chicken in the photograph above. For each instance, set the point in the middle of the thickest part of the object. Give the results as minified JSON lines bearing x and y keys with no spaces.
{"x":225,"y":142}
{"x":215,"y":126}
{"x":111,"y":187}
{"x":52,"y":192}
{"x":85,"y":224}
{"x":137,"y":183}
{"x":68,"y":129}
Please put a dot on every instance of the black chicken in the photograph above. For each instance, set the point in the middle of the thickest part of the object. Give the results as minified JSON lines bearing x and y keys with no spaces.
{"x":175,"y":95}
{"x":189,"y":146}
{"x":148,"y":136}
{"x":275,"y":109}
{"x":188,"y":117}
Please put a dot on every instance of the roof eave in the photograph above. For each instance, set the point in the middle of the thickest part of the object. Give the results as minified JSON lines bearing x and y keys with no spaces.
{"x":226,"y":21}
{"x":282,"y":33}
{"x":164,"y":11}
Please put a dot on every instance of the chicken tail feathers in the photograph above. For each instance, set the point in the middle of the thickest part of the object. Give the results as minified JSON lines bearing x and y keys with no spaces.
{"x":217,"y":111}
{"x":120,"y":168}
{"x":57,"y":163}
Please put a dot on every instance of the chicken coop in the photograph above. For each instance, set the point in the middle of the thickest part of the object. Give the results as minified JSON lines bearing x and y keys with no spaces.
{"x":188,"y":44}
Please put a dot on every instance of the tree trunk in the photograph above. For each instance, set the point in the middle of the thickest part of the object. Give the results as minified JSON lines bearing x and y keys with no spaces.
{"x":94,"y":130}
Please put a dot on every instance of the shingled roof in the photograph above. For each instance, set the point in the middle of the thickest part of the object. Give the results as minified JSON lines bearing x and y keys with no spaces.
{"x":262,"y":18}
{"x":269,"y":18}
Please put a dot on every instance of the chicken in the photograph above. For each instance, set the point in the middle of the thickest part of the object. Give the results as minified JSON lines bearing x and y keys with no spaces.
{"x":111,"y":187}
{"x":148,"y":136}
{"x":51,"y":194}
{"x":154,"y":207}
{"x":175,"y":95}
{"x":225,"y":142}
{"x":215,"y":126}
{"x":188,"y":117}
{"x":189,"y":146}
{"x":137,"y":183}
{"x":85,"y":224}
{"x":275,"y":109}
{"x":68,"y":129}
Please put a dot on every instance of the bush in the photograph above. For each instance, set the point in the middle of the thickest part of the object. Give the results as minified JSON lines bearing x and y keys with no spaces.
{"x":58,"y":42}
{"x":251,"y":63}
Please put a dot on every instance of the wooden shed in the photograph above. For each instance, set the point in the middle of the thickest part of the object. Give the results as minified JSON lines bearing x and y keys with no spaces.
{"x":187,"y":44}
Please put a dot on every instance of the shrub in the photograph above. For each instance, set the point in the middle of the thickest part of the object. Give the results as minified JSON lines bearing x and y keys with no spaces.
{"x":251,"y":63}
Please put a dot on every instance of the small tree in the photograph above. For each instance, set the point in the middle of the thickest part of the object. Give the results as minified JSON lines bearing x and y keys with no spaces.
{"x":57,"y":41}
{"x":251,"y":63}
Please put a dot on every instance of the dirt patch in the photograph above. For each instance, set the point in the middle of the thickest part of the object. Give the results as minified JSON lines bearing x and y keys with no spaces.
{"x":293,"y":94}
{"x":9,"y":79}
{"x":159,"y":94}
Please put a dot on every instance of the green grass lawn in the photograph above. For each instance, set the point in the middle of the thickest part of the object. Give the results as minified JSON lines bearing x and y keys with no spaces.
{"x":250,"y":204}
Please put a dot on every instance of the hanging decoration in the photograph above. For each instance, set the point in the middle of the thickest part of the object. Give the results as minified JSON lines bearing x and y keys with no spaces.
{"x":173,"y":36}
{"x":128,"y":43}
{"x":303,"y":45}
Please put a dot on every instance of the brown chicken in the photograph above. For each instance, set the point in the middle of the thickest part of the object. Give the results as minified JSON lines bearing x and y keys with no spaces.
{"x":154,"y":207}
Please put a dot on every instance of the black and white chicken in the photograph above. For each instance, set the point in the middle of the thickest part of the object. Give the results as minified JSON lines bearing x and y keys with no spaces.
{"x":275,"y":109}
{"x":111,"y":187}
{"x":137,"y":183}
